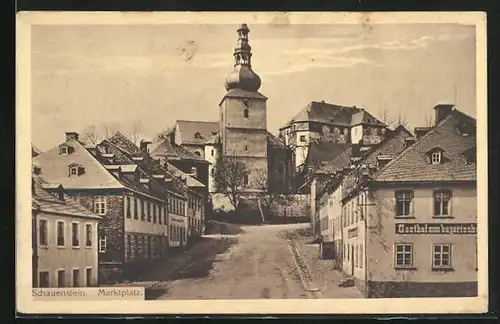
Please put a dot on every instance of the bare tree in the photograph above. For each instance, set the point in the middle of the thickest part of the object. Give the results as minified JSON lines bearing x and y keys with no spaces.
{"x":230,"y":178}
{"x":108,"y":129}
{"x":90,"y":136}
{"x":270,"y":196}
{"x":134,"y":134}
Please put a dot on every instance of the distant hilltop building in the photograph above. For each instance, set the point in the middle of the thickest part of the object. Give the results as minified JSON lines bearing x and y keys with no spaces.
{"x":321,"y":122}
{"x":241,"y":130}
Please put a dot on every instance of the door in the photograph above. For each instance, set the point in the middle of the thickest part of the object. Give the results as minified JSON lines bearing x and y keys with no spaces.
{"x":352,"y":260}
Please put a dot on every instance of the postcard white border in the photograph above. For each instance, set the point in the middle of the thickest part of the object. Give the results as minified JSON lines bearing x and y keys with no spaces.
{"x":25,"y":302}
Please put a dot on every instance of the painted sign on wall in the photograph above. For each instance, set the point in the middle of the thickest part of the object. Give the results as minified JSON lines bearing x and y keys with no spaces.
{"x":353,"y":232}
{"x":436,"y":228}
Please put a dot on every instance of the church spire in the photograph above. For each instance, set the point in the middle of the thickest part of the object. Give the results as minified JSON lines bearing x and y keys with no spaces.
{"x":242,"y":76}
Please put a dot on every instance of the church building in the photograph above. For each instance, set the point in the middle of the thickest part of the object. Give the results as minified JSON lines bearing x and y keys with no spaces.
{"x":241,"y":131}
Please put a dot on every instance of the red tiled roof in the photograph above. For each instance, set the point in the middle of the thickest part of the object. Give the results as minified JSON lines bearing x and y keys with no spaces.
{"x":412,"y":164}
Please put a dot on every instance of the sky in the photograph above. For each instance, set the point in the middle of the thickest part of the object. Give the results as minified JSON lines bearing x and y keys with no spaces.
{"x":147,"y":77}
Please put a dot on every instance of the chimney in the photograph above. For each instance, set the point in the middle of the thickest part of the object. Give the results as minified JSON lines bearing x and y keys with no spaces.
{"x":409,"y":141}
{"x":421,"y":131}
{"x":441,"y":111}
{"x":144,"y":146}
{"x":71,"y":136}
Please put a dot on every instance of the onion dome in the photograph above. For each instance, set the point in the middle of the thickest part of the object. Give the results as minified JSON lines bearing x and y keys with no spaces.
{"x":243,"y":77}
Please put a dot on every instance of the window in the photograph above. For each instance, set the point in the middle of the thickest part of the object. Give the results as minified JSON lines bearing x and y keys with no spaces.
{"x":127,"y":206}
{"x":149,"y":211}
{"x":128,"y":246}
{"x":245,"y":112}
{"x":60,"y":233}
{"x":43,"y":239}
{"x":75,"y":242}
{"x":302,"y":138}
{"x":197,"y":153}
{"x":143,"y":210}
{"x":441,"y":256}
{"x":76,"y":277}
{"x":403,"y":203}
{"x":43,"y":279}
{"x":197,"y":135}
{"x":88,"y":277}
{"x":404,"y":255}
{"x":136,"y":202}
{"x":88,"y":235}
{"x":442,"y":202}
{"x":436,"y":158}
{"x":160,"y":214}
{"x":212,"y":152}
{"x":60,"y":278}
{"x":213,"y":171}
{"x":100,"y":205}
{"x":63,"y":150}
{"x":73,"y":170}
{"x":154,"y":213}
{"x":193,"y":170}
{"x":102,"y":244}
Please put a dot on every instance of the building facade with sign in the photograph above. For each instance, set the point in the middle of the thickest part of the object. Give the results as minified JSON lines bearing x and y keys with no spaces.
{"x":411,"y":225}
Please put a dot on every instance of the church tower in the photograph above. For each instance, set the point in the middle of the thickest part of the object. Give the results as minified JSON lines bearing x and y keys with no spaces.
{"x":243,"y":115}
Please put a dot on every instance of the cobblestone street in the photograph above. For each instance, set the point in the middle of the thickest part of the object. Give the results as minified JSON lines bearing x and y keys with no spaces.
{"x":255,"y":264}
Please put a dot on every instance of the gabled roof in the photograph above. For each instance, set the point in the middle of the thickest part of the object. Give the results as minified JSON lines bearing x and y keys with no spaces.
{"x":275,"y":142}
{"x":338,"y":163}
{"x":46,"y":202}
{"x":390,"y":147}
{"x":173,"y":151}
{"x":412,"y":163}
{"x":323,"y":112}
{"x":124,"y":151}
{"x":54,"y":168}
{"x":190,"y":181}
{"x":35,"y":150}
{"x":188,"y":128}
{"x":324,"y":152}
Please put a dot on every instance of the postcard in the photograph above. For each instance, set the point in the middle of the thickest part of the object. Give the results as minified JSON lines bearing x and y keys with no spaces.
{"x":251,"y":163}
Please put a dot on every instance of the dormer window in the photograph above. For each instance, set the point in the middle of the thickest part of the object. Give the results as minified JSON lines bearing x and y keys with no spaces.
{"x":469,"y":155}
{"x":435,"y":156}
{"x":76,"y":169}
{"x":197,"y":135}
{"x":65,"y":149}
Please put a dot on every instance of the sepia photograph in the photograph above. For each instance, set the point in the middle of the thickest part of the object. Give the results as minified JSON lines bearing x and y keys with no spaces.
{"x":192,"y":163}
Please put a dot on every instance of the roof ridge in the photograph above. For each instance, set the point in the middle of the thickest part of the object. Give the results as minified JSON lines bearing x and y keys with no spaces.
{"x":411,"y":147}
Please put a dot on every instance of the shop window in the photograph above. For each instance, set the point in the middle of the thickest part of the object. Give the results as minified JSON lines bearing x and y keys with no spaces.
{"x":441,"y":258}
{"x":404,"y":255}
{"x":403,"y":202}
{"x":442,"y":202}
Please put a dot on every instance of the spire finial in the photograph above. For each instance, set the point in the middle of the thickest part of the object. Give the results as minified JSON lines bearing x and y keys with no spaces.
{"x":243,"y":77}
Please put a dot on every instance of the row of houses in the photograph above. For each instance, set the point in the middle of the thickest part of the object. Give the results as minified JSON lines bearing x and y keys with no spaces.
{"x":119,"y":208}
{"x":400,"y":217}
